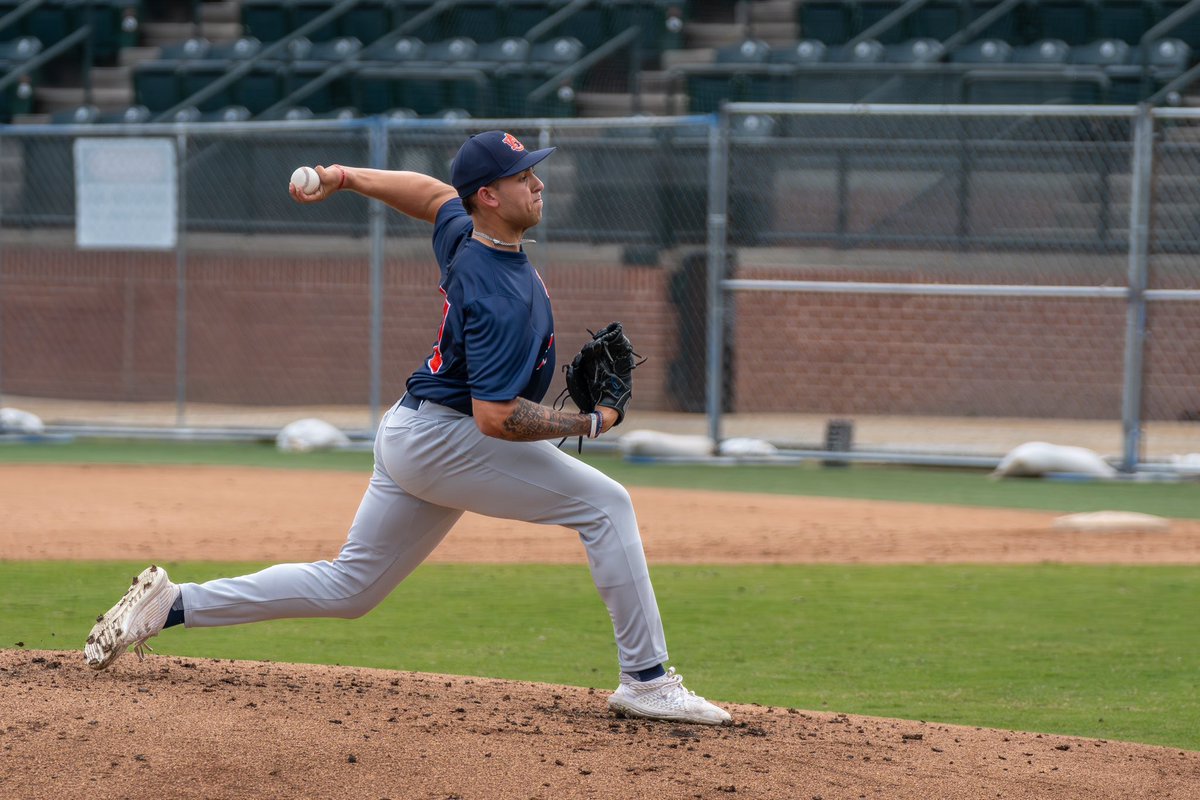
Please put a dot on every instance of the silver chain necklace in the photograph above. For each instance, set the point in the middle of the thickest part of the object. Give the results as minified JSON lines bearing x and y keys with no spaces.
{"x":496,"y":241}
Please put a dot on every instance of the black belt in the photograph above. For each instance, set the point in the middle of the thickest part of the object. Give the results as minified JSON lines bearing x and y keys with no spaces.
{"x":408,"y":401}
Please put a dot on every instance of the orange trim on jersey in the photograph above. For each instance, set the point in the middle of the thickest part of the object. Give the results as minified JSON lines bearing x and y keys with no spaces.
{"x":435,"y":361}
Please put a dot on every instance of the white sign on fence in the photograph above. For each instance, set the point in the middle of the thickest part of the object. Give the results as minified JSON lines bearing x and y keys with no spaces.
{"x":125,"y":194}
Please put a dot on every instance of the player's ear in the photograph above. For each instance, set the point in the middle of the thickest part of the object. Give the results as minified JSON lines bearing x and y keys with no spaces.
{"x":487,"y":196}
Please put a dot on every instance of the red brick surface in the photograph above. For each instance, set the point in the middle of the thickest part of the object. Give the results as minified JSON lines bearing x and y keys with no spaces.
{"x":286,"y":330}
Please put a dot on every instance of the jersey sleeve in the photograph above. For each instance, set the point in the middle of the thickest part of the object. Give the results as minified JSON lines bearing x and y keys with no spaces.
{"x":498,"y":348}
{"x":450,"y":228}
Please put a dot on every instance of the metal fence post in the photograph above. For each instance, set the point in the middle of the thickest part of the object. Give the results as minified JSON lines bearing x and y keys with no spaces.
{"x":181,"y":148}
{"x":1135,"y":317}
{"x":718,"y":203}
{"x":378,"y":156}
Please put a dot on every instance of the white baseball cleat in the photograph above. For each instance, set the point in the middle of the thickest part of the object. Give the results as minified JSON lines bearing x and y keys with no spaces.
{"x":137,"y":616}
{"x":664,"y":698}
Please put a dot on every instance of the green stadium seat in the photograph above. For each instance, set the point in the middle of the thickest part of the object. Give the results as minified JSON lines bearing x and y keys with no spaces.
{"x":367,"y":21}
{"x":806,"y":51}
{"x":227,"y":114}
{"x":984,"y":51}
{"x":80,"y":115}
{"x":323,"y":55}
{"x":1047,"y":51}
{"x":188,"y":49}
{"x":937,"y":19}
{"x":18,"y":51}
{"x":261,"y":87}
{"x":588,"y":25}
{"x":125,"y":116}
{"x":405,"y":10}
{"x":478,"y":21}
{"x":1188,"y":31}
{"x":1125,"y":19}
{"x":266,"y":20}
{"x":557,"y":53}
{"x":868,"y":51}
{"x":156,"y":84}
{"x":1072,"y":21}
{"x":204,"y":63}
{"x":749,"y":51}
{"x":522,"y":15}
{"x":1102,"y":53}
{"x":829,"y":21}
{"x":305,"y":11}
{"x":914,"y":51}
{"x":509,"y":50}
{"x":1008,"y":28}
{"x":872,"y":11}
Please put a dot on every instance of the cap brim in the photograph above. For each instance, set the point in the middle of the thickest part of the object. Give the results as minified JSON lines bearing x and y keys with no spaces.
{"x":528,"y":160}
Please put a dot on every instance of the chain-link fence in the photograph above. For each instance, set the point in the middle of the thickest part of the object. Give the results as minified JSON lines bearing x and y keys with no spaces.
{"x":967,"y":271}
{"x":937,"y":283}
{"x":266,"y":311}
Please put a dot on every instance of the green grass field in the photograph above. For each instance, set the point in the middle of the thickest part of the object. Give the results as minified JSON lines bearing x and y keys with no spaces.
{"x":1095,"y":651}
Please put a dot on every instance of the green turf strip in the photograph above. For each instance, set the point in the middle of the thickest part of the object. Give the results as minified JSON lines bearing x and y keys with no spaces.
{"x":909,"y":484}
{"x":1107,"y":651}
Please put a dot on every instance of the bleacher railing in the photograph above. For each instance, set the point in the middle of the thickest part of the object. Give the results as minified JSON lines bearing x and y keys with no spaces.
{"x":953,"y":281}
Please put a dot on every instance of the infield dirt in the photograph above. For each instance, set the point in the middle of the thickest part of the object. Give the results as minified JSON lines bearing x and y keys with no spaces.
{"x":189,"y":728}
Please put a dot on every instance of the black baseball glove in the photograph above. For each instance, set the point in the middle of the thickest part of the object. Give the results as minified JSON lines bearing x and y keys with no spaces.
{"x":601,"y":374}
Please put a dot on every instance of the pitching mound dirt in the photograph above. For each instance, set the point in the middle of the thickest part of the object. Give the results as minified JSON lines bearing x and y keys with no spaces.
{"x":180,"y":728}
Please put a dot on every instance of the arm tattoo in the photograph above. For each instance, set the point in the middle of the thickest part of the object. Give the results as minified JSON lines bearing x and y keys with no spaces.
{"x":530,"y":422}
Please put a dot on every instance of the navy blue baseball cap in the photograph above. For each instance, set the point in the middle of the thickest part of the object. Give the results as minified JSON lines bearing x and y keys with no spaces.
{"x":488,"y":157}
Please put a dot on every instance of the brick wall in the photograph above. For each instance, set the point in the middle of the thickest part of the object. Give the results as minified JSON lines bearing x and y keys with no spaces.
{"x":294,"y":330}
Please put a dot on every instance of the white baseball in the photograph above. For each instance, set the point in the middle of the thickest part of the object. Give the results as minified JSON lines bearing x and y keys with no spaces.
{"x":305,"y":180}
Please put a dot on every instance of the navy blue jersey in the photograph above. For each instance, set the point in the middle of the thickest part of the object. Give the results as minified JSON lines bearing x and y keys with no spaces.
{"x":496,"y":339}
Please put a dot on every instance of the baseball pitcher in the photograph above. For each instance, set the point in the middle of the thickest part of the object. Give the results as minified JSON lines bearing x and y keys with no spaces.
{"x":470,"y":434}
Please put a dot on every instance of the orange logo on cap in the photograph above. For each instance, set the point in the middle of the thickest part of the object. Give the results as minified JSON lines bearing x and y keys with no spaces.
{"x":512,"y":142}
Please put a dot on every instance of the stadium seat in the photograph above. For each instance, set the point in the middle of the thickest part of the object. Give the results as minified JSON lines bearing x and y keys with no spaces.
{"x":557,"y":53}
{"x":130,"y":115}
{"x":1125,"y":19}
{"x":332,"y":95}
{"x":80,"y":115}
{"x":522,"y":15}
{"x":915,"y":51}
{"x":227,"y":114}
{"x":156,"y":84}
{"x":1188,"y":31}
{"x":1102,"y":53}
{"x":367,"y":21}
{"x":204,"y":63}
{"x":829,"y":21}
{"x":403,"y":50}
{"x":937,"y":19}
{"x":588,"y":25}
{"x":1008,"y":28}
{"x":868,"y":51}
{"x":266,"y":20}
{"x":749,"y":51}
{"x":985,"y":51}
{"x":510,"y":50}
{"x":1047,"y":51}
{"x":305,"y":11}
{"x":806,"y":51}
{"x":872,"y":11}
{"x":1072,"y":21}
{"x":194,"y":48}
{"x":18,"y":51}
{"x":478,"y":21}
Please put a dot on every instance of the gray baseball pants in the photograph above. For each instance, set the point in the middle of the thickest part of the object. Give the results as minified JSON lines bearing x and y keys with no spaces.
{"x":432,"y":464}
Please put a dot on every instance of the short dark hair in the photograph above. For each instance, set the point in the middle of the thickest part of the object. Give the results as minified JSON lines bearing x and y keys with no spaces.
{"x":469,"y":203}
